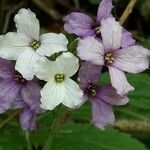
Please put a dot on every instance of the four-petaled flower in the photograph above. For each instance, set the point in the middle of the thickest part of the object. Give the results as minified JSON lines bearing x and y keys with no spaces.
{"x":26,"y":46}
{"x":59,"y":87}
{"x":133,"y":59}
{"x":102,"y":97}
{"x":84,"y":26}
{"x":17,"y":92}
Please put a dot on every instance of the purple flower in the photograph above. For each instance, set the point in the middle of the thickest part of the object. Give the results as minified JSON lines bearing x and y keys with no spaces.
{"x":133,"y":59}
{"x":84,"y":26}
{"x":102,"y":97}
{"x":17,"y":92}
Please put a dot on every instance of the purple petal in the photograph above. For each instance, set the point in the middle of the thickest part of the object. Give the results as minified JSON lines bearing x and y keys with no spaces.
{"x":108,"y":94}
{"x":78,"y":23}
{"x":91,"y":50}
{"x":4,"y":107}
{"x":102,"y":114}
{"x":127,"y":39}
{"x":89,"y":73}
{"x":119,"y":81}
{"x":133,"y":59}
{"x":28,"y":119}
{"x":9,"y":90}
{"x":104,"y":10}
{"x":6,"y":69}
{"x":31,"y":94}
{"x":18,"y":103}
{"x":111,"y":32}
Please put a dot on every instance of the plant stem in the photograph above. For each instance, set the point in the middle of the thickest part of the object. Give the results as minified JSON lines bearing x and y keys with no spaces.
{"x":29,"y":146}
{"x":7,"y":120}
{"x":55,"y":128}
{"x":127,"y":11}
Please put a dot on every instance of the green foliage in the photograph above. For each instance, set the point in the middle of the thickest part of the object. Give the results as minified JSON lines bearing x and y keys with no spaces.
{"x":94,"y":1}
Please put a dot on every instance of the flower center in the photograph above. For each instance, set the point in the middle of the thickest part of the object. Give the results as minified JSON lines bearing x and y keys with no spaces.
{"x":59,"y":77}
{"x":19,"y":78}
{"x":35,"y":44}
{"x":109,"y":58}
{"x":97,"y":30}
{"x":91,"y":90}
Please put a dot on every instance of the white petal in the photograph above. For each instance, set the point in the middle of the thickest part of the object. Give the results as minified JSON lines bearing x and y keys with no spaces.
{"x":12,"y":45}
{"x":91,"y":50}
{"x":25,"y":63}
{"x":52,"y":94}
{"x":45,"y":69}
{"x":73,"y":95}
{"x":27,"y":23}
{"x":133,"y":59}
{"x":52,"y":43}
{"x":111,"y":32}
{"x":119,"y":81}
{"x":67,"y":64}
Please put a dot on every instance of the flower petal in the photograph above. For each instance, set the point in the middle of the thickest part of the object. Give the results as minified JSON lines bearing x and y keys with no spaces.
{"x":91,"y":50}
{"x":108,"y":94}
{"x":104,"y":10}
{"x":26,"y":62}
{"x":9,"y":90}
{"x":52,"y":43}
{"x":119,"y":81}
{"x":52,"y":94}
{"x":28,"y":119}
{"x":133,"y":59}
{"x":78,"y":23}
{"x":89,"y":73}
{"x":12,"y":45}
{"x":73,"y":94}
{"x":127,"y":39}
{"x":111,"y":32}
{"x":27,"y":23}
{"x":68,"y":64}
{"x":102,"y":114}
{"x":31,"y":95}
{"x":6,"y":69}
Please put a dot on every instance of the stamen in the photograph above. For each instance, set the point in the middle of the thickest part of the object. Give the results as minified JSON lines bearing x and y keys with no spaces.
{"x":109,"y":58}
{"x":19,"y":78}
{"x":59,"y":77}
{"x":35,"y":44}
{"x":91,"y":90}
{"x":97,"y":30}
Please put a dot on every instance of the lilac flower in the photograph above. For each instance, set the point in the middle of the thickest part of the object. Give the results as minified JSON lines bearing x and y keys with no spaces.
{"x":17,"y":92}
{"x":84,"y":26}
{"x":102,"y":97}
{"x":133,"y":59}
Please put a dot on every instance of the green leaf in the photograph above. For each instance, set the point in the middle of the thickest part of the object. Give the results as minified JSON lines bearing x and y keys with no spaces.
{"x":86,"y":137}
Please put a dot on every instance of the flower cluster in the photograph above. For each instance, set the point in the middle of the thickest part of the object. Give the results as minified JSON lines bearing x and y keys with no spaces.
{"x":102,"y":42}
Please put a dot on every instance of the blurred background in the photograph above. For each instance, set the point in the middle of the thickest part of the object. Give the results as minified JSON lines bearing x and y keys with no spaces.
{"x":132,"y":121}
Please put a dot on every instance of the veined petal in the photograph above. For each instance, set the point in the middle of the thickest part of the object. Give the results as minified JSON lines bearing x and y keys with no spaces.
{"x":108,"y":94}
{"x":52,"y":94}
{"x":78,"y":23}
{"x":67,"y":64}
{"x":28,"y":119}
{"x":27,"y":23}
{"x":102,"y":114}
{"x":6,"y":69}
{"x":104,"y":10}
{"x":26,"y":62}
{"x":89,"y":73}
{"x":91,"y":50}
{"x":44,"y":69}
{"x":119,"y":81}
{"x":111,"y":32}
{"x":73,"y":94}
{"x":12,"y":45}
{"x":133,"y":59}
{"x":127,"y":39}
{"x":52,"y":43}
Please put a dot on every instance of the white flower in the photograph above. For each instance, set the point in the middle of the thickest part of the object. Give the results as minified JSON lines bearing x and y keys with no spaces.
{"x":59,"y":87}
{"x":26,"y":46}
